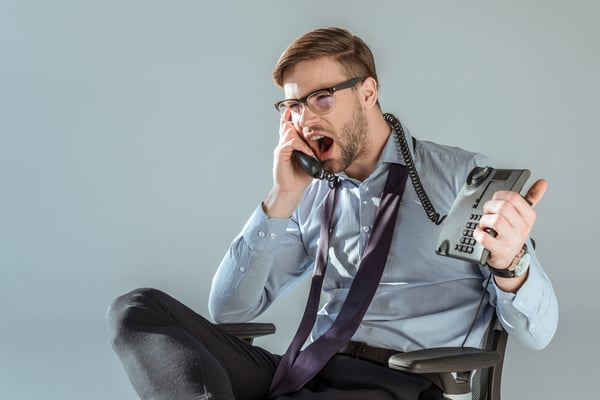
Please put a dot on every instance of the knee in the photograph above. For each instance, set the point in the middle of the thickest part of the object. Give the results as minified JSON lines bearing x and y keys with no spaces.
{"x":126,"y":312}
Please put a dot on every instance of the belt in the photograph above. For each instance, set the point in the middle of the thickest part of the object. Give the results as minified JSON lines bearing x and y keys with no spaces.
{"x":363,"y":351}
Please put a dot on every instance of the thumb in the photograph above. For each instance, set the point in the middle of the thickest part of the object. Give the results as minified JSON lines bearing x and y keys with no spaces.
{"x":536,"y":192}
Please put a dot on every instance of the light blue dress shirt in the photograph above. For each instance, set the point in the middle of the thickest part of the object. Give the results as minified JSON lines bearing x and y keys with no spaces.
{"x":423,"y":299}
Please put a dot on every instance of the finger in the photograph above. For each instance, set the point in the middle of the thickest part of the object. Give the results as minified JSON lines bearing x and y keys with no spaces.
{"x":286,"y":118}
{"x":536,"y":192}
{"x":287,"y":131}
{"x":286,"y":115}
{"x":494,"y":211}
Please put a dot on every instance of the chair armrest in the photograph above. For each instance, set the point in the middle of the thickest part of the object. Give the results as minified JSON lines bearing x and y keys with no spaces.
{"x":444,"y":359}
{"x":248,"y":330}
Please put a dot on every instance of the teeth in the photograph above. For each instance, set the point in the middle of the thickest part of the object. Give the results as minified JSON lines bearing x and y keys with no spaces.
{"x":316,"y":137}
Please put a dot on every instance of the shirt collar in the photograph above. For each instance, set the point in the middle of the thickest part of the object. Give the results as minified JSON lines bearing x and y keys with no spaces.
{"x":391,"y":151}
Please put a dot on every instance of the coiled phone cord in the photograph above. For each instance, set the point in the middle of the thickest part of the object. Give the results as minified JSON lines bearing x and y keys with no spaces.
{"x":433,"y":215}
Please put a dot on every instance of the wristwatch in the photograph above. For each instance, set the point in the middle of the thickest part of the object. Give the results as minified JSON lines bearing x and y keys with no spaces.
{"x":517,"y":268}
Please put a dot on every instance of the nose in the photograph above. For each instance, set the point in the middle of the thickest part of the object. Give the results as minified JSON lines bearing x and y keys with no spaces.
{"x":307,"y":116}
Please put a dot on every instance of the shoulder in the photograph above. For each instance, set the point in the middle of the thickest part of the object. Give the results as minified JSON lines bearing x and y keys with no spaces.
{"x":453,"y":156}
{"x":444,"y":169}
{"x":447,"y":159}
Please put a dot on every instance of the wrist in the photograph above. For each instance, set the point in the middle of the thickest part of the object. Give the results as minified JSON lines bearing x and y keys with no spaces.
{"x":517,"y":268}
{"x":280,"y":204}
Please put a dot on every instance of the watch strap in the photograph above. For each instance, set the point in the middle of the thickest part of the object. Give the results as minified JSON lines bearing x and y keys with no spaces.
{"x":510,"y":271}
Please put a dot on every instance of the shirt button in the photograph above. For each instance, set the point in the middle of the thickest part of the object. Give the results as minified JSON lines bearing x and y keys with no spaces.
{"x":242,"y":269}
{"x":365,"y":229}
{"x":272,"y":236}
{"x":261,"y":234}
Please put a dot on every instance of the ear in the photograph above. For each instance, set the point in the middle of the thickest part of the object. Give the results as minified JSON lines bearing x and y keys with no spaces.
{"x":369,"y":93}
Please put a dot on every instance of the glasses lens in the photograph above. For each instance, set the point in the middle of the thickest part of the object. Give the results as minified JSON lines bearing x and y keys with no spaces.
{"x":321,"y":102}
{"x":294,"y":106}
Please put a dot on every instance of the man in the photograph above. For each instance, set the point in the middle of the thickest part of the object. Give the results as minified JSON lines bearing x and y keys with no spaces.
{"x":421,"y":300}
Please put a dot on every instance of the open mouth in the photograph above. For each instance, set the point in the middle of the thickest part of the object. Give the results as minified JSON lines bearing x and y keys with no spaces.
{"x":323,"y":148}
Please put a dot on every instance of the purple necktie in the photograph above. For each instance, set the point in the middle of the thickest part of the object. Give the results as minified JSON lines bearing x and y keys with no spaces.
{"x":297,"y":368}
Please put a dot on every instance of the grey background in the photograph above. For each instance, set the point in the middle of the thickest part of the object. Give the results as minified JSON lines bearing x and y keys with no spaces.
{"x":136,"y":137}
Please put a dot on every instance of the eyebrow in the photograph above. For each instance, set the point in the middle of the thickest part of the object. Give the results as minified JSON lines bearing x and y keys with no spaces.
{"x":300,"y":99}
{"x":332,"y":89}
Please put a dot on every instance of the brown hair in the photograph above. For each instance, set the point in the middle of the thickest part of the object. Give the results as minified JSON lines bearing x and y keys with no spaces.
{"x":349,"y":50}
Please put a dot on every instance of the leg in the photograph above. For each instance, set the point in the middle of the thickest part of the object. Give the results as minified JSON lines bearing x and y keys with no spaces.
{"x":346,"y":378}
{"x":170,"y":352}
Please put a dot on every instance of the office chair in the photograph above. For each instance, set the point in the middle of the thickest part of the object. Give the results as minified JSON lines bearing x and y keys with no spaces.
{"x":462,"y":373}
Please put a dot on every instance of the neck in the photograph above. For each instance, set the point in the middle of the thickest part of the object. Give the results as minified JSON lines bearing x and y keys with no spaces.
{"x":378,"y":133}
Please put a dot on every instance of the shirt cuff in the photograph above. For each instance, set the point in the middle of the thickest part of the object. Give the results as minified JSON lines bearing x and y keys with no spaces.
{"x":526,"y":300}
{"x":263,"y":233}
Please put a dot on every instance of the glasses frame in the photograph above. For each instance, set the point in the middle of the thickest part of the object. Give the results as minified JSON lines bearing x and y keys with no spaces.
{"x":303,"y":101}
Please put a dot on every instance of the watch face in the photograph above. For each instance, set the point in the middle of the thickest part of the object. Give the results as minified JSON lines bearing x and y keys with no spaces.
{"x":523,"y":264}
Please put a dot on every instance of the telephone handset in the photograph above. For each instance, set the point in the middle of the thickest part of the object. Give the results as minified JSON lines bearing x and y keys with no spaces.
{"x":309,"y":164}
{"x":312,"y":166}
{"x":456,"y":237}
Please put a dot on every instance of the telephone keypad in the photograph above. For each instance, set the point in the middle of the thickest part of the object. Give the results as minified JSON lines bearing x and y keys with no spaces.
{"x":467,"y":242}
{"x":456,"y":236}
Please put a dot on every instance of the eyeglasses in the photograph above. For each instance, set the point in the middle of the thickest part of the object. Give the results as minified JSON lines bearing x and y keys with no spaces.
{"x":319,"y":101}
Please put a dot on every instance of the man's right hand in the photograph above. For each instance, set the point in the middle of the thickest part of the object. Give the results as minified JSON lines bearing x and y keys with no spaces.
{"x":289,"y":180}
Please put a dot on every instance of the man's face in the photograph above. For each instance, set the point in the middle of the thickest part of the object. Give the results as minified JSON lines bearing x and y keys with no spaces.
{"x":338,"y":138}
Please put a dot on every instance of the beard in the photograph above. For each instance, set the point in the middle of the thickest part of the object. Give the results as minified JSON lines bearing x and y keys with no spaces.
{"x":352,"y":141}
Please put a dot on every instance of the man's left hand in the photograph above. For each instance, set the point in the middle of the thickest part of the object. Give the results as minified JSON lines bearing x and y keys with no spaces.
{"x":512,"y":217}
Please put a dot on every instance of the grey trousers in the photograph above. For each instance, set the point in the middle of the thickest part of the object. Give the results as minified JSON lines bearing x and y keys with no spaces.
{"x":170,"y":352}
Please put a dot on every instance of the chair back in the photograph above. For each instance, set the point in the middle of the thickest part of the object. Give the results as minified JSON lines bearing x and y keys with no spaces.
{"x":487,"y":381}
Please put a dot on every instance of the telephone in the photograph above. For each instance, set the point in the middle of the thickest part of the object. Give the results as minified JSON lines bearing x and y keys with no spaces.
{"x":456,"y":237}
{"x":309,"y":164}
{"x":312,"y":166}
